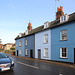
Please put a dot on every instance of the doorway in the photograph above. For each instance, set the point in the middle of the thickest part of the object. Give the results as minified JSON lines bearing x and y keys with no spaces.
{"x":39,"y":53}
{"x":31,"y":53}
{"x":17,"y":52}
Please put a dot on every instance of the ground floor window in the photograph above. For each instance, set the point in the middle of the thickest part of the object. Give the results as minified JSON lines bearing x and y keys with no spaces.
{"x":26,"y":51}
{"x":63,"y":52}
{"x":20,"y":52}
{"x":45,"y":52}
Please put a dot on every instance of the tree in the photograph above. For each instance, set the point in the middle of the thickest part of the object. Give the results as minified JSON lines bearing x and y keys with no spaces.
{"x":12,"y":48}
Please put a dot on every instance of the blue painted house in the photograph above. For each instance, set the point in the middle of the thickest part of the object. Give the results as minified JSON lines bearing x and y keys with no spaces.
{"x":29,"y":46}
{"x":43,"y":43}
{"x":63,"y":39}
{"x":25,"y":43}
{"x":20,"y":48}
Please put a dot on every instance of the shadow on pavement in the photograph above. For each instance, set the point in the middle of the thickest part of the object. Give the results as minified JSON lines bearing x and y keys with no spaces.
{"x":9,"y":72}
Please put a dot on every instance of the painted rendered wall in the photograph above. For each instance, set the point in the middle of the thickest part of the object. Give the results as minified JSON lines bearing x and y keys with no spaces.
{"x":57,"y":44}
{"x":22,"y":48}
{"x":31,"y":45}
{"x":39,"y":44}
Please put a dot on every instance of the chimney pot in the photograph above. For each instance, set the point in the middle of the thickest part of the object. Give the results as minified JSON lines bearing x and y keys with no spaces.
{"x":61,"y":8}
{"x":58,"y":9}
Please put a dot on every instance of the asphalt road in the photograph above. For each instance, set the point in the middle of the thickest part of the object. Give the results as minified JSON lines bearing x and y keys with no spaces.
{"x":33,"y":67}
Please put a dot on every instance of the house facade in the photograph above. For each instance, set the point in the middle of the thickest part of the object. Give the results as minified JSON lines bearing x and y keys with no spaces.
{"x":63,"y":39}
{"x":29,"y":46}
{"x":20,"y":47}
{"x":63,"y":43}
{"x":7,"y":46}
{"x":43,"y":45}
{"x":25,"y":43}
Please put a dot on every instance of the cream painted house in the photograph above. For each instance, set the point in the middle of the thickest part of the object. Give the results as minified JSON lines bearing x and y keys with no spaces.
{"x":8,"y":46}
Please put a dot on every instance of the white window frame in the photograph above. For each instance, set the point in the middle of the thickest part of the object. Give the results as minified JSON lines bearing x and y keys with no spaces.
{"x":64,"y":18}
{"x":20,"y":43}
{"x":45,"y":38}
{"x":20,"y":51}
{"x":26,"y":41}
{"x":63,"y":35}
{"x":61,"y":52}
{"x":46,"y":24}
{"x":26,"y":51}
{"x":46,"y":52}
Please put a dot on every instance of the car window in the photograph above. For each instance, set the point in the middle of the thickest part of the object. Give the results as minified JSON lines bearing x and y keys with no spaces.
{"x":3,"y":56}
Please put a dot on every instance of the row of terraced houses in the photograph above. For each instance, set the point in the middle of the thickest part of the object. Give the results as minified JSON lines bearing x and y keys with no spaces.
{"x":53,"y":41}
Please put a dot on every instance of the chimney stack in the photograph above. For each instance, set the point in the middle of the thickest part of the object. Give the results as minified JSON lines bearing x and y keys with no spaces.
{"x":29,"y":26}
{"x":59,"y":12}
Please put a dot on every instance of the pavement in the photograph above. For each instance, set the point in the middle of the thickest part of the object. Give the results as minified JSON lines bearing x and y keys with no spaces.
{"x":48,"y":61}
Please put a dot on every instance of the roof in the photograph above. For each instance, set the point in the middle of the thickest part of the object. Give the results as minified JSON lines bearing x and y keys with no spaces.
{"x":1,"y":44}
{"x":33,"y":31}
{"x":52,"y":24}
{"x":57,"y":22}
{"x":8,"y":44}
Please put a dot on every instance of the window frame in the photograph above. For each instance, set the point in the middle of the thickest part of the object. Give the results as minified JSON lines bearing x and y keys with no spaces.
{"x":20,"y":52}
{"x":45,"y":38}
{"x":26,"y":52}
{"x":61,"y":53}
{"x":62,"y":37}
{"x":20,"y":43}
{"x":26,"y":41}
{"x":46,"y":52}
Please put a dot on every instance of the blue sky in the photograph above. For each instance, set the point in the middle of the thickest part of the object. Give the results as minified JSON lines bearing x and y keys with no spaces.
{"x":15,"y":15}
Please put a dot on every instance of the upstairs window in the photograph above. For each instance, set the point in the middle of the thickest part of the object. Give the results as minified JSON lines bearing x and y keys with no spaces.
{"x":64,"y":35}
{"x":20,"y":43}
{"x":46,"y":24}
{"x":26,"y":42}
{"x":46,"y":38}
{"x":63,"y":52}
{"x":64,"y":18}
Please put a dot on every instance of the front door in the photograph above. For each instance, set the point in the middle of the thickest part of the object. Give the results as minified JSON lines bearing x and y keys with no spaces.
{"x":39,"y":53}
{"x":17,"y":52}
{"x":31,"y":53}
{"x":74,"y":55}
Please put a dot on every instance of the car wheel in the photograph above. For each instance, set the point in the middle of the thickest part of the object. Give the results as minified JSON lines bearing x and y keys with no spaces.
{"x":12,"y":68}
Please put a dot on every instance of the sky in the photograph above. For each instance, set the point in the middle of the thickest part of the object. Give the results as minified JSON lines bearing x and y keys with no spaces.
{"x":15,"y":15}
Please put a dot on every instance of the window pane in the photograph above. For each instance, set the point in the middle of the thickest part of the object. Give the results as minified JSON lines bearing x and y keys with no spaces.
{"x":26,"y":42}
{"x":46,"y":52}
{"x":64,"y":35}
{"x":46,"y":38}
{"x":26,"y":51}
{"x":63,"y":52}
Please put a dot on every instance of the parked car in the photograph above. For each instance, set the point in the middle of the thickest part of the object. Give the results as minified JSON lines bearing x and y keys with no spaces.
{"x":5,"y":62}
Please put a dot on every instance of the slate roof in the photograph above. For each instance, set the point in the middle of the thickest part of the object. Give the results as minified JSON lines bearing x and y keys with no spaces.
{"x":52,"y":24}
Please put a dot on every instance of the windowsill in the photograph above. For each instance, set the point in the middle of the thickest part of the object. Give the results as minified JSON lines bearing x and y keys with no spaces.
{"x":46,"y":43}
{"x":19,"y":46}
{"x":63,"y":40}
{"x":26,"y":55}
{"x":63,"y":58}
{"x":45,"y":56}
